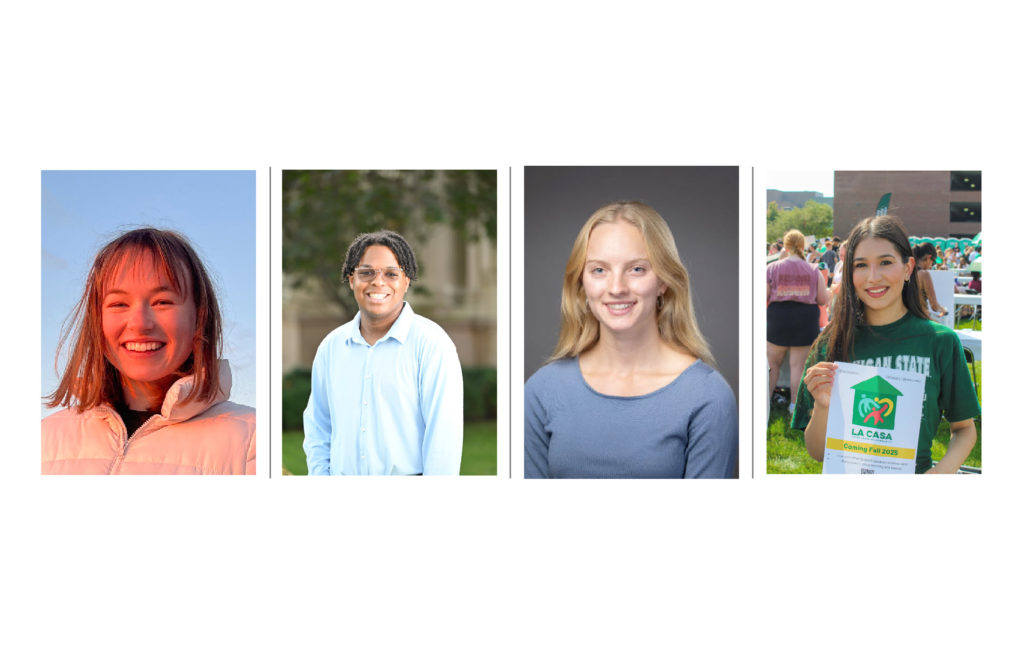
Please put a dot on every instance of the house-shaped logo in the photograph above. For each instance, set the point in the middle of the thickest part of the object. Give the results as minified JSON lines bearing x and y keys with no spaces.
{"x":874,"y":402}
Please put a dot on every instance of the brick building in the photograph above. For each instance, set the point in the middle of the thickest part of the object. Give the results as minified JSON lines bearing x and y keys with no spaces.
{"x":930,"y":203}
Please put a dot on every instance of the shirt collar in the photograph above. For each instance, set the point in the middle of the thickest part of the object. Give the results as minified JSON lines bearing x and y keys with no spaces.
{"x":399,"y":330}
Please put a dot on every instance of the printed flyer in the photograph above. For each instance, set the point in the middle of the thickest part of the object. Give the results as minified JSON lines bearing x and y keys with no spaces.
{"x":874,"y":417}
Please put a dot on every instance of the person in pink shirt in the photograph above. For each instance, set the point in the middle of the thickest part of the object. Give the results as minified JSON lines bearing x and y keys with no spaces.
{"x":795,"y":291}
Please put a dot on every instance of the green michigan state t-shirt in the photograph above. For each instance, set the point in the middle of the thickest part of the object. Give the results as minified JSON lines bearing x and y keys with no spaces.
{"x":910,"y":344}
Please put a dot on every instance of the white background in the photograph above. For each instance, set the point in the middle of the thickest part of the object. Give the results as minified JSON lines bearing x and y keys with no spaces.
{"x":475,"y":569}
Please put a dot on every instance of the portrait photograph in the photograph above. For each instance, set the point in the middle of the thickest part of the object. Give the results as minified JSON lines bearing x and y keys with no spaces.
{"x":873,"y":322}
{"x":389,"y":322}
{"x":631,"y":322}
{"x":149,"y":323}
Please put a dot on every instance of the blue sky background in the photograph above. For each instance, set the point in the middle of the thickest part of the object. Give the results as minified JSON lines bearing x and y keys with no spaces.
{"x":215,"y":210}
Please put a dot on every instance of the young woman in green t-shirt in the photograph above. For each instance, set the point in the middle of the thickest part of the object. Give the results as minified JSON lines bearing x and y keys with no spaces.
{"x":878,"y":312}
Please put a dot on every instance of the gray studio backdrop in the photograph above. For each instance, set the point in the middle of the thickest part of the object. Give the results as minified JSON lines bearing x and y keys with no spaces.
{"x":701,"y":206}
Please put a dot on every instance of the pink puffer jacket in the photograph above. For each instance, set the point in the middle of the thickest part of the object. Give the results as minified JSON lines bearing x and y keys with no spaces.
{"x":216,"y":437}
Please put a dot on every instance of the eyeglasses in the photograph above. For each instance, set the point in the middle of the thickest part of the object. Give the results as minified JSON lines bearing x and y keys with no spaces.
{"x":368,"y":274}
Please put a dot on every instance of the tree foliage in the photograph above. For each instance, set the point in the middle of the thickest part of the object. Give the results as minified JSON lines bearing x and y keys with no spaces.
{"x":323,"y":211}
{"x":813,"y":218}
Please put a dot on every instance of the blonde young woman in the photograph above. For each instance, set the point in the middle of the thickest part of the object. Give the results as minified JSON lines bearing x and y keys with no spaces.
{"x":629,"y":390}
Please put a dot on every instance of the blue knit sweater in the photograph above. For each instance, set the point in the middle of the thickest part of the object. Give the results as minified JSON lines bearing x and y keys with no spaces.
{"x":686,"y":429}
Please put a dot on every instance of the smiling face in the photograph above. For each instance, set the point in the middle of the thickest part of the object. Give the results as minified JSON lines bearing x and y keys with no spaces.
{"x":879,"y":275}
{"x":618,"y":280}
{"x":380,"y":298}
{"x":148,"y":326}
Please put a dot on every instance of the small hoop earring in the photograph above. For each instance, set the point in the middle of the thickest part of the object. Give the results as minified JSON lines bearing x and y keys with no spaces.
{"x":660,"y":302}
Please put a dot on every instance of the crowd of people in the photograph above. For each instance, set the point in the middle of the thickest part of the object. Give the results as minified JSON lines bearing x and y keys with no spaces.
{"x":952,"y":258}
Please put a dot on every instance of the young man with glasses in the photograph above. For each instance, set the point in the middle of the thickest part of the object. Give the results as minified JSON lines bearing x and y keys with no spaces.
{"x":386,"y":393}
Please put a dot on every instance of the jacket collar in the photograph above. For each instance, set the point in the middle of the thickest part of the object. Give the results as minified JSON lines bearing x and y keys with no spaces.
{"x":175,"y":411}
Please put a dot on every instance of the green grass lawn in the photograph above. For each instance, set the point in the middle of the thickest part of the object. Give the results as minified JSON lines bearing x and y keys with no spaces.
{"x":786,"y":451}
{"x":787,"y":454}
{"x":479,"y":450}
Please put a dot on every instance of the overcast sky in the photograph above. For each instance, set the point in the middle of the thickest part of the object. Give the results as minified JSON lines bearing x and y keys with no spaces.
{"x":820,"y":181}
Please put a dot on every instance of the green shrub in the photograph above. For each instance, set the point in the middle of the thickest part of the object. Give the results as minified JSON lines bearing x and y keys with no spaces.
{"x":294,"y":397}
{"x":480,"y":393}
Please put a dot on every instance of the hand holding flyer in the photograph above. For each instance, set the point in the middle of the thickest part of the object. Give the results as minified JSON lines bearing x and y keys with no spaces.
{"x":873,"y":420}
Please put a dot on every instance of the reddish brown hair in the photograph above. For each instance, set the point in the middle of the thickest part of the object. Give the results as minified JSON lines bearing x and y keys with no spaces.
{"x":89,"y":378}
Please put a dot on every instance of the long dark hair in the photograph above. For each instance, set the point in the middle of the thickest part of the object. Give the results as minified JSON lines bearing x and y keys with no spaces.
{"x":849,"y":311}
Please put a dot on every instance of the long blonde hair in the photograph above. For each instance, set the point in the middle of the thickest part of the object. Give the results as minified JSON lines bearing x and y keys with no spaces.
{"x":677,"y":325}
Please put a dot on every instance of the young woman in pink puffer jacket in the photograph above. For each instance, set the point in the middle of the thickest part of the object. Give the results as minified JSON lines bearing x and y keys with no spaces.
{"x":144,"y":389}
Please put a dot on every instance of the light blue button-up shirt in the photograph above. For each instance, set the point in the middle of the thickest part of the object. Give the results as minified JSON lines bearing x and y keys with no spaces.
{"x":393,"y":408}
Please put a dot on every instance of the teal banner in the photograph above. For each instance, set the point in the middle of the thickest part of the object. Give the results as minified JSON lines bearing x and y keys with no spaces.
{"x":883,"y":205}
